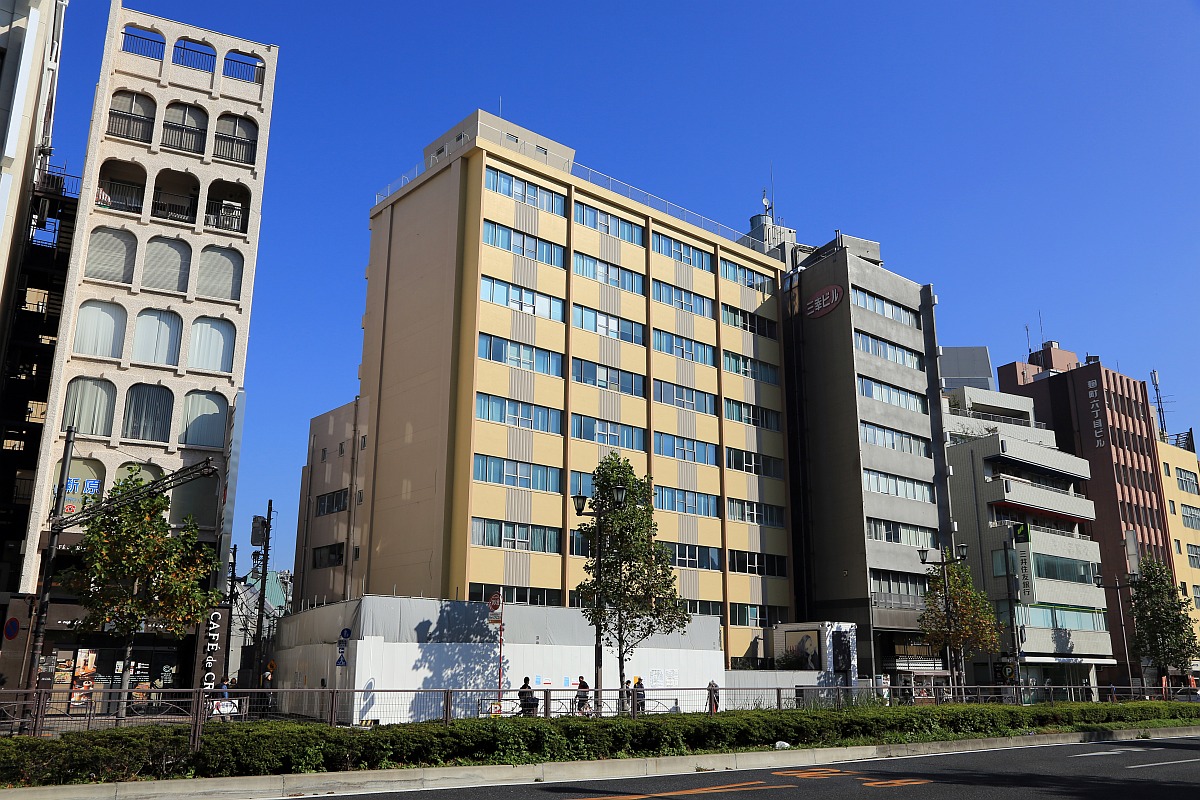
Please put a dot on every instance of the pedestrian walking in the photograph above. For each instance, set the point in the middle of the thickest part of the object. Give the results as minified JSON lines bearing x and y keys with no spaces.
{"x":714,"y":697}
{"x":527,"y":700}
{"x":639,"y":696}
{"x":221,"y":704}
{"x":582,"y":701}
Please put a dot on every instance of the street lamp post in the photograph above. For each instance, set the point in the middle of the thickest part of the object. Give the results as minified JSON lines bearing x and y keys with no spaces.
{"x":1129,"y":579}
{"x":945,"y":562}
{"x":580,"y":501}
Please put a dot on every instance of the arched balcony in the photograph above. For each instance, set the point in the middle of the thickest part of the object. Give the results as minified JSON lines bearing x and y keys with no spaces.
{"x":121,"y":187}
{"x":236,"y":139}
{"x":185,"y":127}
{"x":143,"y":42}
{"x":175,"y":196}
{"x":194,"y":55}
{"x":244,"y":67}
{"x":131,"y":116}
{"x":228,"y":207}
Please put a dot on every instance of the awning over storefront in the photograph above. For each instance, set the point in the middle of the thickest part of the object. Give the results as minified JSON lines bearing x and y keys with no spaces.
{"x":1060,"y":660}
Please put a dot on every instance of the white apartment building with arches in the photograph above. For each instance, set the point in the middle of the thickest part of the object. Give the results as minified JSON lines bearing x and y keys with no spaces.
{"x":152,"y":347}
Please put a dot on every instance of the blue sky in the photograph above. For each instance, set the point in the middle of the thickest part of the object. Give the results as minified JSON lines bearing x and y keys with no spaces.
{"x":1034,"y":161}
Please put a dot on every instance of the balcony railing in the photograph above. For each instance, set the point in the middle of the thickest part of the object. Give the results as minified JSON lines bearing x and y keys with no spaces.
{"x":143,"y":46}
{"x":905,"y":601}
{"x":175,"y":207}
{"x":130,"y":126}
{"x":193,"y":58}
{"x":226,"y":216}
{"x":22,"y":490}
{"x":120,"y":196}
{"x":1043,"y":529}
{"x":188,"y":138}
{"x":242,"y":71}
{"x":234,"y":148}
{"x":958,"y":412}
{"x":1035,"y":484}
{"x":54,"y":180}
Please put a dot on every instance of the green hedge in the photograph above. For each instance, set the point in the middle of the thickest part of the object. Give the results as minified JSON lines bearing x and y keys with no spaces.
{"x":272,"y":748}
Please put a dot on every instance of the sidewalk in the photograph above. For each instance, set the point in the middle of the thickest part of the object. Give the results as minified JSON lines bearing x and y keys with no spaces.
{"x":264,"y":787}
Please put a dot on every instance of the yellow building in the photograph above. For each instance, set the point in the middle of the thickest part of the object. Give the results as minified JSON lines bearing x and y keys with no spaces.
{"x":524,"y":317}
{"x":1181,"y":490}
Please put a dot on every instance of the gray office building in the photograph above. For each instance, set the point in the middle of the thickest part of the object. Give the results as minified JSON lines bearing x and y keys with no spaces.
{"x":966,"y":366}
{"x":867,"y":448}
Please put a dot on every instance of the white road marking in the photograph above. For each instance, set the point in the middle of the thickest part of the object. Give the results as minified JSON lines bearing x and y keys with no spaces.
{"x":1163,"y":763}
{"x":1116,"y":751}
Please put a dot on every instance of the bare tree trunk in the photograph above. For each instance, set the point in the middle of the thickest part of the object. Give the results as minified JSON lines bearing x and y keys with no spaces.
{"x":126,"y":673}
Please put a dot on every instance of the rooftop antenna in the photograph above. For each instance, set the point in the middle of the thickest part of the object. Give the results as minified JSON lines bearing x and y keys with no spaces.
{"x":501,"y":114}
{"x":1158,"y":401}
{"x":771,"y":211}
{"x":767,"y":208}
{"x":1041,"y":330}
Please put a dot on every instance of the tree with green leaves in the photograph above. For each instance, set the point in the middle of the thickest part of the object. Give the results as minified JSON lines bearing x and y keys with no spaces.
{"x":632,"y":578}
{"x":971,"y":626}
{"x":135,"y":574}
{"x":1162,"y":627}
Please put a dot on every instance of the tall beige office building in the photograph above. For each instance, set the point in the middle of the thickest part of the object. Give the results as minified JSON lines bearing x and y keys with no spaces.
{"x":152,"y":345}
{"x":1181,"y":490}
{"x":525,"y":316}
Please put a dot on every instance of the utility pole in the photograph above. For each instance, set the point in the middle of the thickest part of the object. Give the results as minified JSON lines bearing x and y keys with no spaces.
{"x":261,"y":528}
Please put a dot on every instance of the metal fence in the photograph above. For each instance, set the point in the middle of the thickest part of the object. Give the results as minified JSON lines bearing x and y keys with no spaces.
{"x":56,"y":711}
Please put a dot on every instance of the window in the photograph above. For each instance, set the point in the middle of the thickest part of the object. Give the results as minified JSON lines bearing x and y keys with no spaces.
{"x":156,"y":337}
{"x":607,"y":325}
{"x":758,"y":563}
{"x":131,"y":116}
{"x":754,"y":463}
{"x":521,"y":356}
{"x":885,"y":530}
{"x":1193,"y":553}
{"x":1191,"y":516}
{"x":895,"y":440}
{"x":705,"y":608}
{"x":362,"y":442}
{"x":522,"y":244}
{"x":89,"y":406}
{"x":1057,"y":568}
{"x":341,"y":449}
{"x":330,"y":555}
{"x":683,"y":299}
{"x":148,"y":411}
{"x":747,"y":321}
{"x":204,"y":419}
{"x":693,"y":556}
{"x":236,"y":139}
{"x":611,"y":224}
{"x":1187,"y":481}
{"x":100,"y":329}
{"x":521,"y":415}
{"x":581,"y":545}
{"x":1178,"y":548}
{"x":687,"y":349}
{"x":882,"y":348}
{"x":185,"y":127}
{"x":750,"y":414}
{"x":892,"y":395}
{"x":211,"y":346}
{"x":324,"y":454}
{"x":168,"y":262}
{"x":613,"y":434}
{"x":885,"y":308}
{"x":518,"y":595}
{"x":904,"y":584}
{"x":610,"y":274}
{"x":525,"y":192}
{"x":682,"y":501}
{"x":581,"y":483}
{"x":494,"y":290}
{"x":1166,"y":469}
{"x":747,"y":277}
{"x":333,"y":502}
{"x":1075,"y":619}
{"x":683,"y":253}
{"x":666,"y":444}
{"x":683,"y":397}
{"x":897,"y":486}
{"x":756,"y":616}
{"x":519,"y":474}
{"x":751,"y":368}
{"x":607,"y":378}
{"x":219,"y":273}
{"x":110,"y":256}
{"x":755,"y":513}
{"x":515,"y":535}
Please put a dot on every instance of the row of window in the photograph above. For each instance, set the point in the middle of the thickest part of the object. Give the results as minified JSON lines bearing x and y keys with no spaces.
{"x":756,"y":616}
{"x":1055,"y":617}
{"x":750,"y":414}
{"x":90,"y":403}
{"x":611,"y":224}
{"x":332,"y":502}
{"x":897,"y":486}
{"x":755,"y":513}
{"x":684,"y":501}
{"x":610,"y":274}
{"x":1190,"y":515}
{"x":682,"y":347}
{"x":886,"y":530}
{"x":521,"y":356}
{"x":754,"y":463}
{"x":520,"y":474}
{"x":693,"y":556}
{"x":1193,"y":554}
{"x":608,"y":325}
{"x":157,"y":335}
{"x":618,"y":380}
{"x":892,"y":395}
{"x":895,"y":440}
{"x":112,"y":256}
{"x":1187,"y":481}
{"x":749,"y":321}
{"x":890,"y":351}
{"x":516,"y":535}
{"x":683,"y":299}
{"x":523,"y":244}
{"x":525,"y":192}
{"x":884,"y":307}
{"x":614,"y":434}
{"x":518,"y":595}
{"x":502,"y":293}
{"x":682,"y":252}
{"x":683,"y":397}
{"x":185,"y":127}
{"x":758,"y":563}
{"x":886,"y":581}
{"x":751,"y":368}
{"x":513,"y":412}
{"x":684,"y":449}
{"x":747,"y":277}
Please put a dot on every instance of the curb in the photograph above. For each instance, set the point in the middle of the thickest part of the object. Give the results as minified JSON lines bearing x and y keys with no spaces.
{"x":269,"y":787}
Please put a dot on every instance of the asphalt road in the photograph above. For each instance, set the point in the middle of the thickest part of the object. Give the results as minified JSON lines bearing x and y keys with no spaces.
{"x":1155,"y":769}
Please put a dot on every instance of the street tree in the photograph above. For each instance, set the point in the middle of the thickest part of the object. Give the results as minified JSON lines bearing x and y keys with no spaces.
{"x":135,"y":574}
{"x":631,"y":585}
{"x":971,"y":626}
{"x":1162,"y":627}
